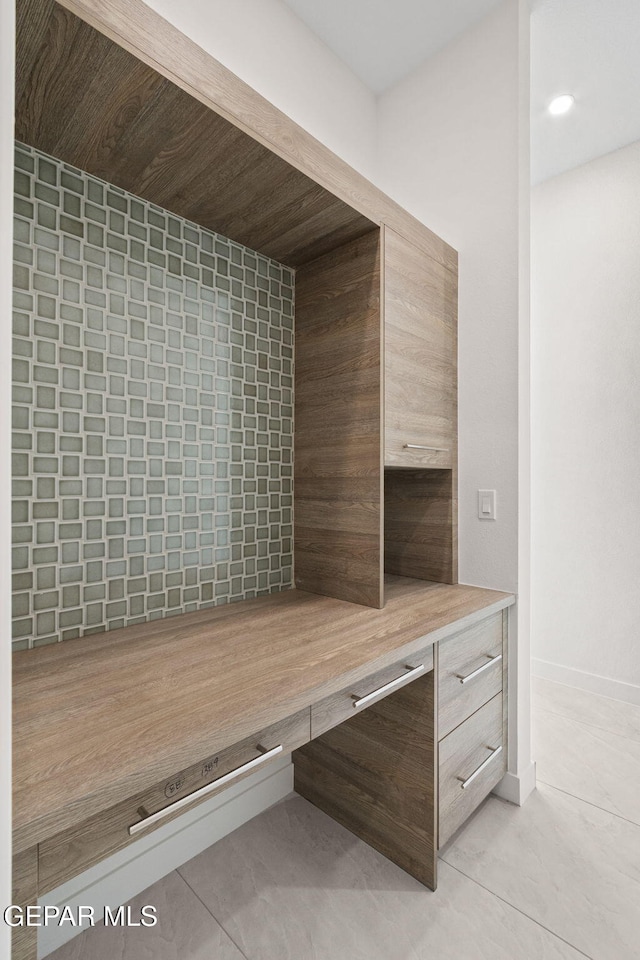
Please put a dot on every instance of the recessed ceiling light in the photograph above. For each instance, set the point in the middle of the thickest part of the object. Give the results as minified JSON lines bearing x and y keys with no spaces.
{"x":561,"y":104}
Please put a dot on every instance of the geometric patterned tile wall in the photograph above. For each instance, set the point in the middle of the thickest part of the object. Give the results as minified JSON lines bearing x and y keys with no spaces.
{"x":153,"y":411}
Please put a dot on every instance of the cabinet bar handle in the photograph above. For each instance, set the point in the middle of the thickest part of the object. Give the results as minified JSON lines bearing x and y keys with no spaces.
{"x":476,"y":673}
{"x":420,"y":446}
{"x":485,"y":763}
{"x":414,"y":672}
{"x":203,"y":791}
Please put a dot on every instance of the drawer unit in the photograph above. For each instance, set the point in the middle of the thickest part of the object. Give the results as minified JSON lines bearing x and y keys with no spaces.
{"x":349,"y":702}
{"x":72,"y":851}
{"x":472,"y":760}
{"x":470,"y":672}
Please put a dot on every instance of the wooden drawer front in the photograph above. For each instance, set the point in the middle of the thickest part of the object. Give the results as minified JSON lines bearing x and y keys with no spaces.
{"x":340,"y":706}
{"x":461,"y":657}
{"x":475,"y":742}
{"x":75,"y":850}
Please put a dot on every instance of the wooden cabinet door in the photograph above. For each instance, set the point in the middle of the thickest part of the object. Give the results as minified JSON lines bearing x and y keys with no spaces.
{"x":420,"y":323}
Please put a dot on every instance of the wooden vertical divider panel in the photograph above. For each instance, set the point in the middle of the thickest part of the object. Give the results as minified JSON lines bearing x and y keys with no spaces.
{"x":338,"y":424}
{"x":376,"y":774}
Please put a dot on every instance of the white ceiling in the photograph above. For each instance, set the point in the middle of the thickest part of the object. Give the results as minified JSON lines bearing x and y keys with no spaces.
{"x":590,"y":48}
{"x":383,"y":40}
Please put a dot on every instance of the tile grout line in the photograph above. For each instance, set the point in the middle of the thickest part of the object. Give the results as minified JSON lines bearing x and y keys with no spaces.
{"x":589,"y":803}
{"x":519,"y":910}
{"x":77,"y":268}
{"x":585,"y":723}
{"x":211,"y":914}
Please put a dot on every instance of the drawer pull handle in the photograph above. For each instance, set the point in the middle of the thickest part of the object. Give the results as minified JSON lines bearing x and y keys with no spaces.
{"x":360,"y":702}
{"x":485,"y":763}
{"x":476,"y":673}
{"x":152,"y":818}
{"x":421,"y":446}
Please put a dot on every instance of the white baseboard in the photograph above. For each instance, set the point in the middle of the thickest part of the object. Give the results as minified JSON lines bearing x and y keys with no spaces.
{"x":121,"y":876}
{"x":604,"y":686}
{"x":517,"y":787}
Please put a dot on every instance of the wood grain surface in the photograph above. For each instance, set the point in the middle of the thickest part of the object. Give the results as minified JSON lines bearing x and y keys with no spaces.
{"x":72,"y":851}
{"x":420,"y":322}
{"x":339,"y":706}
{"x":338,"y":425}
{"x":84,"y":99}
{"x":24,"y":884}
{"x":420,"y":401}
{"x":375,"y":774}
{"x":24,"y":877}
{"x":461,"y":753}
{"x":24,"y":943}
{"x":421,"y":524}
{"x":140,"y":30}
{"x":470,"y":650}
{"x":100,"y":719}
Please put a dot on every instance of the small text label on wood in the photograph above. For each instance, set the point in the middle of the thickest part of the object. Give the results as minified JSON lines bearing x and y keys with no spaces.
{"x":174,"y":786}
{"x":209,"y":767}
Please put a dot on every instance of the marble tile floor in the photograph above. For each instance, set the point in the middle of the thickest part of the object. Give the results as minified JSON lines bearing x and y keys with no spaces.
{"x":558,"y":879}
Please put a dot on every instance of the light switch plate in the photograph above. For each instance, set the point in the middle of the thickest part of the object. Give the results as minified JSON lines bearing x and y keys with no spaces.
{"x":486,"y":504}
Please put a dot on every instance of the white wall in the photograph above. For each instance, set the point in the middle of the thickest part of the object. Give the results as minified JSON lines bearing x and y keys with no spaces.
{"x":448,"y":152}
{"x":265,"y":44}
{"x":6,"y":285}
{"x":586,"y":425}
{"x":453,"y":149}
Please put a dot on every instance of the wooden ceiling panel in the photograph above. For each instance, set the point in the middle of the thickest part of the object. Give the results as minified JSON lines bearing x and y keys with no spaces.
{"x":103,"y":146}
{"x":85,"y":100}
{"x":232,"y":186}
{"x":62,"y":51}
{"x":317,"y":235}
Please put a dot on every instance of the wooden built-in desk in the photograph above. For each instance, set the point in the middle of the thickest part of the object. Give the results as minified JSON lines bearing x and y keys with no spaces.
{"x":118,"y":731}
{"x":101,"y":723}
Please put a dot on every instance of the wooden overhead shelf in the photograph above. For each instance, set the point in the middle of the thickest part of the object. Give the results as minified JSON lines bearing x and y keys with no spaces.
{"x":116,"y":84}
{"x":86,"y":100}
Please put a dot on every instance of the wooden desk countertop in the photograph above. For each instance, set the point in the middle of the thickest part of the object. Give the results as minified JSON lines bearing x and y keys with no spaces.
{"x":102,"y":718}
